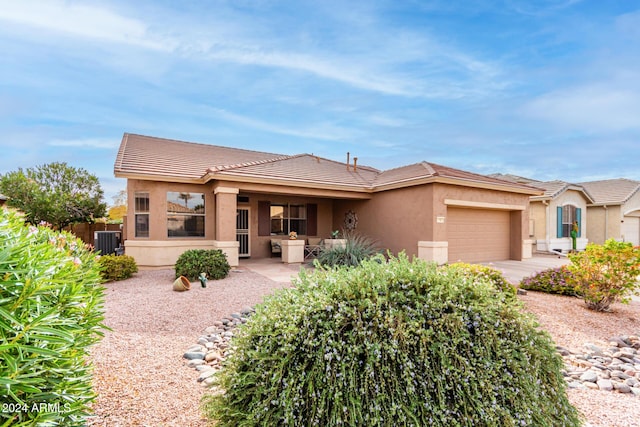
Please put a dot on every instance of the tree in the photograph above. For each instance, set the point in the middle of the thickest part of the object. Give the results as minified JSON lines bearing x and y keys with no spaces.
{"x":56,"y":193}
{"x":119,"y":209}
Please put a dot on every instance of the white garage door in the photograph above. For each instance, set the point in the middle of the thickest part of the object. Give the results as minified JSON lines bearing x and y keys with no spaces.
{"x":630,"y":230}
{"x":478,"y":235}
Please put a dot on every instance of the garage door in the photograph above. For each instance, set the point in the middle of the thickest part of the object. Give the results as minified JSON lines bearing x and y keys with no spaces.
{"x":630,"y":230}
{"x":477,"y":235}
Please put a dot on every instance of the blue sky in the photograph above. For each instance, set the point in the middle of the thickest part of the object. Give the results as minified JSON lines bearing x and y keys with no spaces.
{"x":548,"y":89}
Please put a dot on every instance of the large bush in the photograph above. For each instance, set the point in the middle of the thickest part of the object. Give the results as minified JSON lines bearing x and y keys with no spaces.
{"x":50,"y":313}
{"x":356,"y":249}
{"x":394,"y":343}
{"x":553,"y":281}
{"x":484,"y":273}
{"x":117,"y":267}
{"x":212,"y":262}
{"x":604,"y":274}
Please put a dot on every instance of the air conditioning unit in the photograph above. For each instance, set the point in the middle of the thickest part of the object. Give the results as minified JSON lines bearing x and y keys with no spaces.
{"x":107,"y":242}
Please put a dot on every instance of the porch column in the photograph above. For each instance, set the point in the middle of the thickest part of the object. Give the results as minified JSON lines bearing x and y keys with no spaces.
{"x":433,"y":251}
{"x":226,"y":211}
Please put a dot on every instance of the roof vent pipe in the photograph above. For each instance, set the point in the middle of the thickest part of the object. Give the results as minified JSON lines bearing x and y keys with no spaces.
{"x":355,"y":163}
{"x":347,"y":160}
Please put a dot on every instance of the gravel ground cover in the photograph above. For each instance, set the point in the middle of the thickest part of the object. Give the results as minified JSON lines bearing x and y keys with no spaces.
{"x":139,"y":373}
{"x":141,"y":377}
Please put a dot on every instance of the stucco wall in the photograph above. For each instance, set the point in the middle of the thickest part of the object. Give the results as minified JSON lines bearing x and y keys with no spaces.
{"x":538,"y":215}
{"x":604,"y":223}
{"x":398,"y":219}
{"x":158,"y":208}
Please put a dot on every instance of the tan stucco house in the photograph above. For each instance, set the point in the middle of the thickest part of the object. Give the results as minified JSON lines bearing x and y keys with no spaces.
{"x":615,"y":211}
{"x":186,"y":195}
{"x":553,"y":213}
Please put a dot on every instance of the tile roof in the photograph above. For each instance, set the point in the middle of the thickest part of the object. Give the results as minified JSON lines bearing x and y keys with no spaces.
{"x":416,"y":171}
{"x":145,"y":155}
{"x":553,"y":189}
{"x":515,"y":178}
{"x":304,"y":167}
{"x":141,"y":156}
{"x":612,"y":191}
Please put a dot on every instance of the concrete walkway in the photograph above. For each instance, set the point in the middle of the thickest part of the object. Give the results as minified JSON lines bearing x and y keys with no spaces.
{"x":514,"y":271}
{"x":272,"y":268}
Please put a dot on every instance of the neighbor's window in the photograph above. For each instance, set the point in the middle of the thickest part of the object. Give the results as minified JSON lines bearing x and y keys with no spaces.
{"x":141,"y":212}
{"x":288,"y":217}
{"x":568,"y":217}
{"x":185,"y":214}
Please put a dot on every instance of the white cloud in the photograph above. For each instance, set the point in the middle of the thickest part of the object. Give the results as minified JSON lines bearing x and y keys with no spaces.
{"x":101,"y":143}
{"x":324,"y":131}
{"x":231,"y":37}
{"x":81,"y":20}
{"x":591,"y":107}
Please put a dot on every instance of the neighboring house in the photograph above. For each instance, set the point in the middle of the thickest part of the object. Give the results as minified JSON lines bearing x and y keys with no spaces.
{"x":553,"y":214}
{"x":186,"y":195}
{"x":615,"y":211}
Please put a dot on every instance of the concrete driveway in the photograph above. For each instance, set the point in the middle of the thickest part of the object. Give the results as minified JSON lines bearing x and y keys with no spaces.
{"x":515,"y":271}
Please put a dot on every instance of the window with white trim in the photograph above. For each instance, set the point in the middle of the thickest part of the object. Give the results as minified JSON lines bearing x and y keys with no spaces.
{"x":568,"y":218}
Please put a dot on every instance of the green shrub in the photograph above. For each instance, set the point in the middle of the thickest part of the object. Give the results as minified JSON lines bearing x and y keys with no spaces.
{"x":485,"y":273}
{"x":397,"y":343}
{"x":552,"y":281}
{"x":117,"y":267}
{"x":356,"y":249}
{"x":213,"y":262}
{"x":50,"y":313}
{"x":604,"y":274}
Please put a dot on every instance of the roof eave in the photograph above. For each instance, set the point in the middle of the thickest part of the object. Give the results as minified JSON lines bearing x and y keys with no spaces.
{"x":158,"y":177}
{"x":257,"y":179}
{"x":455,"y":181}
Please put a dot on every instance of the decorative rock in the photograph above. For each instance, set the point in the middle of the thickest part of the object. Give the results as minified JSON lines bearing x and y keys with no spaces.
{"x":206,"y":374}
{"x":212,"y":355}
{"x":622,"y":387}
{"x":605,"y":385}
{"x":592,"y":386}
{"x":615,"y":368}
{"x":213,"y":347}
{"x":193,"y":355}
{"x":589,"y":376}
{"x":193,"y":348}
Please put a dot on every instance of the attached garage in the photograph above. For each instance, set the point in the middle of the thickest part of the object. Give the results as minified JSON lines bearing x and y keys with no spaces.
{"x":478,"y":235}
{"x":630,"y":229}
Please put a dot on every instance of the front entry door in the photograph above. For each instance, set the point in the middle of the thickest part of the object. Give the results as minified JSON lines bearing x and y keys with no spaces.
{"x":242,"y":232}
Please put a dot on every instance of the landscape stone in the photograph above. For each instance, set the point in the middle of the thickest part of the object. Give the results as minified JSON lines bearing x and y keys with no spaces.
{"x":622,"y":387}
{"x":605,"y":385}
{"x":589,"y":376}
{"x":194,"y":355}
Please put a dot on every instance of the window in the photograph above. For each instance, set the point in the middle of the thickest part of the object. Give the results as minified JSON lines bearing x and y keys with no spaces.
{"x":288,"y":217}
{"x":141,"y":212}
{"x":185,"y":214}
{"x":567,"y":215}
